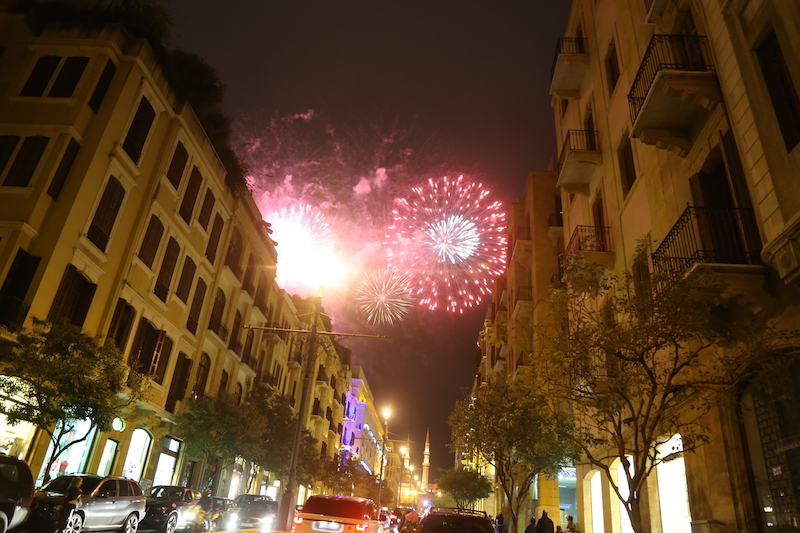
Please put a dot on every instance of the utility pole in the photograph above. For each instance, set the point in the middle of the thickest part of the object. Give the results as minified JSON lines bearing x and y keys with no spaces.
{"x":289,"y":498}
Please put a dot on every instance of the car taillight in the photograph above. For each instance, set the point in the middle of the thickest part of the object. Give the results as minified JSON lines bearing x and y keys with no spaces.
{"x":361,"y":527}
{"x":174,"y":505}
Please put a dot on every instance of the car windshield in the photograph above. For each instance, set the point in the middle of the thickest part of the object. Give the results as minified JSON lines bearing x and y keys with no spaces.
{"x":167,"y":492}
{"x":249,"y":498}
{"x":456,"y":524}
{"x":262,"y":506}
{"x":340,"y":508}
{"x":61,"y":484}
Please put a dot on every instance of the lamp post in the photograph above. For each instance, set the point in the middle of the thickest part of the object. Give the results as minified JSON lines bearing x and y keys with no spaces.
{"x":386,"y":414}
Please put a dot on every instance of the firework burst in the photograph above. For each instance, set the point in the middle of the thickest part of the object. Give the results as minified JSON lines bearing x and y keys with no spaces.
{"x":450,"y":240}
{"x":306,"y":256}
{"x":384,"y":296}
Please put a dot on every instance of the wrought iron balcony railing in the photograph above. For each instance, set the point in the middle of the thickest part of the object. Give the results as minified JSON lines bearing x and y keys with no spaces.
{"x":578,"y":140}
{"x":709,"y":235}
{"x":668,"y":52}
{"x":588,"y":239}
{"x":568,"y":45}
{"x":219,"y":328}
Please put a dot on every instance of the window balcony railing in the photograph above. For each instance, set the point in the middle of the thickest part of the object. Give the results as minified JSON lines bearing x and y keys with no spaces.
{"x":236,"y":346}
{"x":586,"y":140}
{"x":219,"y":328}
{"x":567,"y":45}
{"x":12,"y":311}
{"x":579,"y":158}
{"x":709,"y":235}
{"x":588,"y":239}
{"x":249,"y":360}
{"x":668,"y":52}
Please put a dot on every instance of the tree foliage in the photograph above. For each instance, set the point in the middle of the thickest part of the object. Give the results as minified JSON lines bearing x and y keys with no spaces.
{"x":464,"y":486}
{"x":56,"y":376}
{"x":642,"y":359}
{"x":505,"y":425}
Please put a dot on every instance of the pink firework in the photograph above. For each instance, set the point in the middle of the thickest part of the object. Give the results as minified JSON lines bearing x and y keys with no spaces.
{"x":384,"y":296}
{"x":450,"y":239}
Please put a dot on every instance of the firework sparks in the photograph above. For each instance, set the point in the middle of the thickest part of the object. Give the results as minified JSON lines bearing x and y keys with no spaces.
{"x":450,"y":240}
{"x":384,"y":296}
{"x":306,"y":254}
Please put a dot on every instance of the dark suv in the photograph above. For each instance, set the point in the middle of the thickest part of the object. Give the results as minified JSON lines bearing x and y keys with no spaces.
{"x":16,"y":492}
{"x":170,"y":507}
{"x":455,"y":520}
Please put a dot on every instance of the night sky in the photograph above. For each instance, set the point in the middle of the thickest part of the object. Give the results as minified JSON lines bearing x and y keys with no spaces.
{"x":475,"y":72}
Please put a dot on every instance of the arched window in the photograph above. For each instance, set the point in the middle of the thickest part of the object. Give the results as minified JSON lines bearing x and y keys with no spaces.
{"x":249,"y":274}
{"x":201,"y":380}
{"x":215,"y":321}
{"x":235,"y":344}
{"x":234,"y":257}
{"x":261,"y":294}
{"x":137,"y":454}
{"x":238,"y":393}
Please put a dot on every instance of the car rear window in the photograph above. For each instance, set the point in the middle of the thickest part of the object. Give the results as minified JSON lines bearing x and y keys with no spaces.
{"x":340,"y":508}
{"x":167,"y":492}
{"x":455,"y":524}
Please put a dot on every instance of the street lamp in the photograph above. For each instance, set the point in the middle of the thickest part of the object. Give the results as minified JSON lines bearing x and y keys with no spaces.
{"x":386,"y":414}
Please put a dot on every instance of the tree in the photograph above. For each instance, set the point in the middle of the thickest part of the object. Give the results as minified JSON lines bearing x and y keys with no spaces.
{"x":504,"y":425}
{"x":56,"y":376}
{"x":344,"y":476}
{"x":464,"y":486}
{"x":642,"y":359}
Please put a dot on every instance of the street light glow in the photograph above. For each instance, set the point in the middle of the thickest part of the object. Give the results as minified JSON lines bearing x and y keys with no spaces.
{"x":387,"y":413}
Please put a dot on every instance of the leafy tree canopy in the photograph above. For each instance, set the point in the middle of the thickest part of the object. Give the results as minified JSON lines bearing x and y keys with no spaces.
{"x":464,"y":486}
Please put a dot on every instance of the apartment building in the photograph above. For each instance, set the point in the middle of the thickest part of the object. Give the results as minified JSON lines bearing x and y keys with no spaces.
{"x":116,"y":215}
{"x":676,"y":125}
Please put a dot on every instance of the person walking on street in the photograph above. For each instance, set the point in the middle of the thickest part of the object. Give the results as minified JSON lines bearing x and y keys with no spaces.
{"x":71,"y":500}
{"x":500,"y":521}
{"x":545,"y":525}
{"x":531,"y":528}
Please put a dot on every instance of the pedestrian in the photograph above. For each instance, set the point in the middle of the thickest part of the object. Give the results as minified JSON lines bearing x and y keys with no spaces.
{"x":532,"y":526}
{"x":559,"y":530}
{"x":71,"y":499}
{"x":571,"y":525}
{"x":545,"y":525}
{"x":500,"y":521}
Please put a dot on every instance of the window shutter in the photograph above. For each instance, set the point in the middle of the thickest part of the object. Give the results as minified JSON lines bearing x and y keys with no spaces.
{"x":190,"y":195}
{"x":177,"y":165}
{"x":187,"y":276}
{"x":140,"y":128}
{"x":213,"y":239}
{"x":167,"y":269}
{"x":152,"y":238}
{"x":206,"y":210}
{"x":103,"y":222}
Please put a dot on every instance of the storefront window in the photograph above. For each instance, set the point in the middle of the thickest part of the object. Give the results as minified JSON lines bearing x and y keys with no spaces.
{"x":596,"y":491}
{"x":73,"y":458}
{"x":673,"y":492}
{"x":107,"y":459}
{"x":567,"y":492}
{"x":137,"y":454}
{"x":165,"y":468}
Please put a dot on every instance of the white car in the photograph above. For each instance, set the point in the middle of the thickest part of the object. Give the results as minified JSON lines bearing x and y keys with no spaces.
{"x":337,"y":514}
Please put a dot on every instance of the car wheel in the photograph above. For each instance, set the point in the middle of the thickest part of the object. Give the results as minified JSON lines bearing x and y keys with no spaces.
{"x":171,"y":524}
{"x":74,"y":524}
{"x":130,"y":525}
{"x":3,"y":522}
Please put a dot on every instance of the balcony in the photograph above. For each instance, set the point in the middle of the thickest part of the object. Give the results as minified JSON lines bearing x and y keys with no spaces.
{"x":523,"y":303}
{"x":674,"y":92}
{"x":250,"y":361}
{"x":570,"y":66}
{"x":316,"y":411}
{"x":715,"y":236}
{"x":594,"y":243}
{"x":236,"y":346}
{"x":522,"y":249}
{"x":12,"y":311}
{"x":219,"y":328}
{"x":580,"y":157}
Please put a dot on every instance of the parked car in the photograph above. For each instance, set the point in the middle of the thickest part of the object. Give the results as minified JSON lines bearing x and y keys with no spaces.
{"x":16,"y":492}
{"x":244,"y":499}
{"x":170,"y":508}
{"x":106,"y":503}
{"x":222,"y":509}
{"x":455,"y":520}
{"x":339,"y":514}
{"x":254,"y":513}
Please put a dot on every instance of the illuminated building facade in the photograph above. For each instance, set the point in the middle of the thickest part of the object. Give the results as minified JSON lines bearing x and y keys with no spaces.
{"x":116,"y":215}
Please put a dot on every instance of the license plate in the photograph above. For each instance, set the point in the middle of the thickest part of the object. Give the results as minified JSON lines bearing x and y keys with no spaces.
{"x":322,"y":525}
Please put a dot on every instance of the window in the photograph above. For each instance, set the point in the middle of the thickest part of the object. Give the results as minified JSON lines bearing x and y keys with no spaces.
{"x":187,"y":276}
{"x":249,"y":274}
{"x":627,"y":170}
{"x":612,"y":67}
{"x":223,"y":383}
{"x":781,"y":89}
{"x":234,"y":255}
{"x":150,"y":352}
{"x":213,"y":239}
{"x":180,"y":381}
{"x":102,"y":86}
{"x":65,"y":82}
{"x":168,"y":264}
{"x":63,"y":169}
{"x":207,"y":209}
{"x":140,"y":128}
{"x":15,"y":287}
{"x":217,"y":312}
{"x":177,"y":165}
{"x":26,"y":160}
{"x":197,"y":306}
{"x":238,"y":393}
{"x":121,"y":323}
{"x":152,"y":238}
{"x":73,"y":298}
{"x":190,"y":195}
{"x":234,"y":343}
{"x":248,"y":347}
{"x":261,"y":296}
{"x":201,"y":380}
{"x":103,"y":222}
